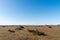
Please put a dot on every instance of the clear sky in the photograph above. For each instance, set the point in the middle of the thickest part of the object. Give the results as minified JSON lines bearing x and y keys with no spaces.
{"x":29,"y":12}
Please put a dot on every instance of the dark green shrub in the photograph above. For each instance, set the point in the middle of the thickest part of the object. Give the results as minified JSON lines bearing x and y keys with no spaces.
{"x":3,"y":26}
{"x":41,"y":33}
{"x":31,"y":30}
{"x":49,"y":27}
{"x":21,"y":26}
{"x":11,"y":31}
{"x":18,"y":29}
{"x":36,"y":32}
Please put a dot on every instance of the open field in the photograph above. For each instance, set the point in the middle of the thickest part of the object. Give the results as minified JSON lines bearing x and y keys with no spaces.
{"x":53,"y":33}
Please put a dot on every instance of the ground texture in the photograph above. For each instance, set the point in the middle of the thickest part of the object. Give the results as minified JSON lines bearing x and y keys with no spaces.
{"x":52,"y":33}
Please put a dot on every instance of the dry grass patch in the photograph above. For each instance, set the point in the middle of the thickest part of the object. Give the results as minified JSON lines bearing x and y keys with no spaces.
{"x":53,"y":33}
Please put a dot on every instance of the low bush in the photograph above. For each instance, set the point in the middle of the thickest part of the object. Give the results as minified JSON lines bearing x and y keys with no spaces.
{"x":3,"y":26}
{"x":49,"y":27}
{"x":11,"y":30}
{"x":36,"y":32}
{"x":18,"y":29}
{"x":31,"y":30}
{"x":21,"y":26}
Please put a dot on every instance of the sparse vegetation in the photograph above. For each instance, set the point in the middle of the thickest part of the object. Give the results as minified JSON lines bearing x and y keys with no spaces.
{"x":49,"y":27}
{"x":3,"y":26}
{"x":19,"y":28}
{"x":31,"y":30}
{"x":36,"y":32}
{"x":11,"y":30}
{"x":30,"y":33}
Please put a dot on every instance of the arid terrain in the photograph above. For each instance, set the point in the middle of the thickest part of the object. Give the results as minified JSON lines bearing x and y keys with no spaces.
{"x":46,"y":32}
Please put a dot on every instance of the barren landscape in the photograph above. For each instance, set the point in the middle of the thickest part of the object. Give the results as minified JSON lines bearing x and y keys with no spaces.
{"x":41,"y":32}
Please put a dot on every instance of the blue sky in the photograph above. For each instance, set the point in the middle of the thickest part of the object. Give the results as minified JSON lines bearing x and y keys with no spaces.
{"x":27,"y":12}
